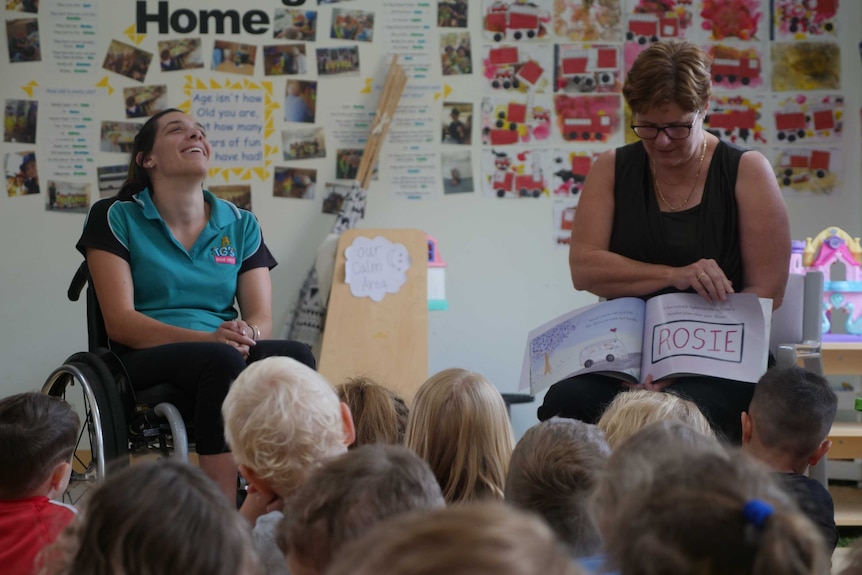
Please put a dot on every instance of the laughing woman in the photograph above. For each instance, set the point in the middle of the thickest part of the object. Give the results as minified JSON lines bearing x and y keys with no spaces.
{"x":169,"y":261}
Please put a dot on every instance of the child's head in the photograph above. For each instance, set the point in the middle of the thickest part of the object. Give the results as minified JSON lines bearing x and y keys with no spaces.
{"x":709,"y":513}
{"x":631,"y":411}
{"x":379,"y":414}
{"x":791,"y":412}
{"x":459,"y":425}
{"x":488,"y":538}
{"x":282,"y":418}
{"x":347,"y":496}
{"x":156,"y":517}
{"x":554,"y":470}
{"x":633,"y":465}
{"x":38,"y":435}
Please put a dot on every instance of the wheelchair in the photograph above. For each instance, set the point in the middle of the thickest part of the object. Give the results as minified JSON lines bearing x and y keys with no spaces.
{"x":117,"y":422}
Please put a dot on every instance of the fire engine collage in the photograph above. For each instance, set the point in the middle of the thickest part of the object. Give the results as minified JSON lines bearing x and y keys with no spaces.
{"x":553,"y":71}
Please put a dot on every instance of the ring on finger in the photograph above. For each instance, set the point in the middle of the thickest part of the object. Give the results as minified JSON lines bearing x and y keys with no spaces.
{"x":700,"y":275}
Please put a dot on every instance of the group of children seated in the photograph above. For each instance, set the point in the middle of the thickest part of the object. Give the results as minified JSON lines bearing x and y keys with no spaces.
{"x":349,"y":480}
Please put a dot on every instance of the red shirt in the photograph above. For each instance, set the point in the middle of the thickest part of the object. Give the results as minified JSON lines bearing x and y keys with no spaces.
{"x":26,"y":526}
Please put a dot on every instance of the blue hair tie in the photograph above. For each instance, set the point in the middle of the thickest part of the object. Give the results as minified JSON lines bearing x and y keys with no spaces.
{"x":756,"y":512}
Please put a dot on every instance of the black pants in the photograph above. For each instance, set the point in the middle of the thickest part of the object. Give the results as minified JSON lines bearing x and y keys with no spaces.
{"x":204,"y":371}
{"x":585,"y":397}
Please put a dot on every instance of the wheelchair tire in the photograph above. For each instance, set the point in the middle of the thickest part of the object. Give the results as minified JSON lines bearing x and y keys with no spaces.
{"x":105,"y":422}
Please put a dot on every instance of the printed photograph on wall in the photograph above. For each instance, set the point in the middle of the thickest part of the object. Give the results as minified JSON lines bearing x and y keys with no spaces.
{"x":736,"y":66}
{"x":68,"y":197}
{"x":111,"y":179}
{"x":588,"y":20}
{"x":183,"y":54}
{"x":457,"y":171}
{"x":455,"y":54}
{"x":143,"y":101}
{"x":19,"y":121}
{"x":284,"y":60}
{"x":118,"y":136}
{"x":300,"y":100}
{"x":733,"y":19}
{"x":293,"y":24}
{"x":738,"y":119}
{"x":507,"y":20}
{"x":804,"y":19}
{"x":352,"y":25}
{"x":22,"y":36}
{"x":515,"y":173}
{"x":524,"y":68}
{"x":807,"y":171}
{"x":588,"y":119}
{"x":452,"y":13}
{"x":303,"y":144}
{"x":234,"y":58}
{"x":333,"y":61}
{"x":127,"y":60}
{"x":587,"y":68}
{"x":457,"y":123}
{"x":22,"y":6}
{"x":806,"y":66}
{"x":803,"y":118}
{"x":237,"y":194}
{"x":294,"y":183}
{"x":507,"y":121}
{"x":22,"y":174}
{"x":334,"y":198}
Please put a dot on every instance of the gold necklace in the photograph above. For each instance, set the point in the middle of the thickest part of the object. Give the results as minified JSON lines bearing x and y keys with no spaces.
{"x":693,"y":185}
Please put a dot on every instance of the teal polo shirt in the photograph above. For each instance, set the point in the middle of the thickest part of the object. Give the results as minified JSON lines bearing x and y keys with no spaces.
{"x":194,"y":289}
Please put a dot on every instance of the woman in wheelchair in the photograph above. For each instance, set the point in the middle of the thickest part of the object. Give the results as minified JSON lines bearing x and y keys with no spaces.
{"x":168,"y":260}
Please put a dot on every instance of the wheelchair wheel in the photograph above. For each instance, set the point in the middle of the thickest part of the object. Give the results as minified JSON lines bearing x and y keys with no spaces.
{"x":86,"y":384}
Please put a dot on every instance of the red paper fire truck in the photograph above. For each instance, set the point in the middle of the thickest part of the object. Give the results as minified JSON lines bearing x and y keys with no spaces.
{"x":515,"y":21}
{"x":798,"y":168}
{"x":648,"y":28}
{"x":586,"y":69}
{"x":735,"y":66}
{"x":507,"y":182}
{"x":512,"y":70}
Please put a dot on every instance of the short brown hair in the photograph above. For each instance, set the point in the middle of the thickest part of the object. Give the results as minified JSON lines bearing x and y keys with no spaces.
{"x":350,"y":494}
{"x":554,"y":471}
{"x":667,"y":72}
{"x":488,"y":538}
{"x":37,"y":431}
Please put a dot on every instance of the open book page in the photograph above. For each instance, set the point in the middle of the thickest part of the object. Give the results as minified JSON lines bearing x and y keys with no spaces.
{"x":604,"y":337}
{"x":684,"y":334}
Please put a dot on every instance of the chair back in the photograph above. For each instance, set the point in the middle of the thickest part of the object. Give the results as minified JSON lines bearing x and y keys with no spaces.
{"x":797,"y":327}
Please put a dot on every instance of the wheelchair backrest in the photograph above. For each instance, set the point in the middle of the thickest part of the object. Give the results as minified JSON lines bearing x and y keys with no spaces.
{"x":97,"y":335}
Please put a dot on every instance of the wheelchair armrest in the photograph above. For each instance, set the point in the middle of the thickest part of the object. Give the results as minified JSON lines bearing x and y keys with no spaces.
{"x":78,"y":282}
{"x":809,"y":352}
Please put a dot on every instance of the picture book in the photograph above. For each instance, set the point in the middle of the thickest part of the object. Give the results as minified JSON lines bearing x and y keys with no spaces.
{"x":665,"y":336}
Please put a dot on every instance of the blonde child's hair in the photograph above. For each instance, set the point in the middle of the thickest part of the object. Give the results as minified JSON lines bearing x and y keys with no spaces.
{"x":631,"y":411}
{"x":282,"y":418}
{"x":709,"y":513}
{"x":487,"y":538}
{"x":379,"y":414}
{"x":459,"y":424}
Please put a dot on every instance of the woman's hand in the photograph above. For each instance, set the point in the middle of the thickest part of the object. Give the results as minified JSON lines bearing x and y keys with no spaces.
{"x":706,"y":278}
{"x":235,"y":333}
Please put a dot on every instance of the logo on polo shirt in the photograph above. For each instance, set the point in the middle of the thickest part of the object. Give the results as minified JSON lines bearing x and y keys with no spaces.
{"x":224,"y":254}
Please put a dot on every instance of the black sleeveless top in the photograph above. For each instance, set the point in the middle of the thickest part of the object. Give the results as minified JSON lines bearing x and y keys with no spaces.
{"x":642,"y":232}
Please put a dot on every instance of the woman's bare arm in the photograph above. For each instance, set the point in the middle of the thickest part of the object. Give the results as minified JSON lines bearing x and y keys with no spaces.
{"x":764,"y":228}
{"x":254,"y":296}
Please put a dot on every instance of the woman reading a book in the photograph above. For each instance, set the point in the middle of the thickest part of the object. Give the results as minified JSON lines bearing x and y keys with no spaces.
{"x":678,"y":211}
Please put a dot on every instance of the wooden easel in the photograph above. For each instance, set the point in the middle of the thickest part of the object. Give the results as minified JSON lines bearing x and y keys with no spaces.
{"x":387,"y":340}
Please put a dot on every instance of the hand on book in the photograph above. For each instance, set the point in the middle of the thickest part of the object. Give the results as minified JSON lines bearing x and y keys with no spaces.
{"x":651,"y":385}
{"x":706,"y":278}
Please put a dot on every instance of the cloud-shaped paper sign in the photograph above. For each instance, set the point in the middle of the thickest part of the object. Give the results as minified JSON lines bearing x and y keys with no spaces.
{"x":375,"y":267}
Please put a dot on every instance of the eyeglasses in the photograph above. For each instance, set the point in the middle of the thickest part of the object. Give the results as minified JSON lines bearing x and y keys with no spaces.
{"x":673,"y":132}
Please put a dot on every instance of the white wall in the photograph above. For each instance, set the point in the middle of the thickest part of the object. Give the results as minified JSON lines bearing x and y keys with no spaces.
{"x":503,"y":277}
